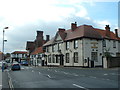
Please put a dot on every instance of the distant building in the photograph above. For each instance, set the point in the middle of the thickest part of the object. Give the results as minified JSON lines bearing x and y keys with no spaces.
{"x":37,"y":56}
{"x":35,"y":48}
{"x":82,"y":46}
{"x":19,"y":55}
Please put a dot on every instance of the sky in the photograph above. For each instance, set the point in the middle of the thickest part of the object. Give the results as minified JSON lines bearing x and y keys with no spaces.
{"x":25,"y":17}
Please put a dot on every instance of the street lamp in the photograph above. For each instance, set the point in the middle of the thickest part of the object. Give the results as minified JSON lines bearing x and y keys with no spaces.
{"x":3,"y":42}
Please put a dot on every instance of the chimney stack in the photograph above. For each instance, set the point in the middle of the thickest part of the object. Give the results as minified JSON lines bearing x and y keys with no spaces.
{"x":39,"y":33}
{"x":47,"y":38}
{"x":73,"y":26}
{"x":39,"y":39}
{"x":61,"y":29}
{"x":107,"y":28}
{"x":116,"y":32}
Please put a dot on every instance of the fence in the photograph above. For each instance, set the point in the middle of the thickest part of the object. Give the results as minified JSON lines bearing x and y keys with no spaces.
{"x":111,"y":62}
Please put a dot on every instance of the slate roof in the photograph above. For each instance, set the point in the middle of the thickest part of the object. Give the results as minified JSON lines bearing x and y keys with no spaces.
{"x":37,"y":51}
{"x":19,"y":52}
{"x":83,"y":31}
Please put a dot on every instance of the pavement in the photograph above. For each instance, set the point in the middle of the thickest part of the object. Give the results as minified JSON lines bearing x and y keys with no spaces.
{"x":62,"y":77}
{"x":0,"y":79}
{"x":5,"y":80}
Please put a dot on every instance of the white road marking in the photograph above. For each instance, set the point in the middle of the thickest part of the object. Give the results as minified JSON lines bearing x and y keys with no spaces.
{"x":115,"y":74}
{"x":32,"y":71}
{"x":0,"y":85}
{"x":49,"y":76}
{"x":7,"y":70}
{"x":105,"y":74}
{"x":93,"y":77}
{"x":82,"y":75}
{"x":10,"y":81}
{"x":65,"y":73}
{"x":76,"y":75}
{"x":39,"y":72}
{"x":80,"y":86}
{"x":27,"y":67}
{"x":22,"y":68}
{"x":55,"y":71}
{"x":107,"y":79}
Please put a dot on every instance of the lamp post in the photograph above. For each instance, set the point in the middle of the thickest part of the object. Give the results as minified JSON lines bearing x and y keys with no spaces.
{"x":3,"y":42}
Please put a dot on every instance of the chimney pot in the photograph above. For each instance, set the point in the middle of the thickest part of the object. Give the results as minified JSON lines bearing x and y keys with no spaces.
{"x":73,"y":26}
{"x":39,"y":33}
{"x":116,"y":32}
{"x":107,"y":30}
{"x":61,"y":29}
{"x":47,"y":38}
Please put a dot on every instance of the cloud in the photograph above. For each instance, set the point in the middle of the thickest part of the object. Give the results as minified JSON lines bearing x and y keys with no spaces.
{"x":102,"y":23}
{"x":25,"y":17}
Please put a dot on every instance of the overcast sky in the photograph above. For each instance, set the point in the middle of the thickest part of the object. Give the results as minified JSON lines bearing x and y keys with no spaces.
{"x":25,"y":17}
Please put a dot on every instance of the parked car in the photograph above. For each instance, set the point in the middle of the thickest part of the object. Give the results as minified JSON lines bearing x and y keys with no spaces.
{"x":24,"y":63}
{"x":3,"y":63}
{"x":15,"y":66}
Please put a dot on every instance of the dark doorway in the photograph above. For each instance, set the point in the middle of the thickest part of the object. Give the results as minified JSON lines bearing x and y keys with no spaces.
{"x":92,"y":63}
{"x":61,"y":59}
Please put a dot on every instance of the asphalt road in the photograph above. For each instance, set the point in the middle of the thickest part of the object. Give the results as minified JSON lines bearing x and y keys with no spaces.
{"x":63,"y":77}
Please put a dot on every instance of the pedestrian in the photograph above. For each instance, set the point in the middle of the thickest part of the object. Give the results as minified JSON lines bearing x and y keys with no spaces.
{"x":3,"y":67}
{"x":46,"y":63}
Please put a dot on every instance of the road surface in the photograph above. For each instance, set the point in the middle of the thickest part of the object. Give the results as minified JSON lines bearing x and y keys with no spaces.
{"x":64,"y":77}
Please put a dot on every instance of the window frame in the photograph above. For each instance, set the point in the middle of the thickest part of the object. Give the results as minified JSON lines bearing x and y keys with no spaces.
{"x":67,"y":58}
{"x":104,"y":43}
{"x":76,"y":57}
{"x":49,"y":59}
{"x":67,"y":45}
{"x":114,"y":44}
{"x":75,"y":44}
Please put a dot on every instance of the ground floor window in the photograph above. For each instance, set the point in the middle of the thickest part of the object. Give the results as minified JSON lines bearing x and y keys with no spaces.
{"x":57,"y":58}
{"x":118,"y":54}
{"x":67,"y":58}
{"x":75,"y":57}
{"x":53,"y":58}
{"x":49,"y":58}
{"x":94,"y":56}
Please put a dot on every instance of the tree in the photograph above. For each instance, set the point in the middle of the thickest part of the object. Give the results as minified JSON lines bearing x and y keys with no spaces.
{"x":107,"y":53}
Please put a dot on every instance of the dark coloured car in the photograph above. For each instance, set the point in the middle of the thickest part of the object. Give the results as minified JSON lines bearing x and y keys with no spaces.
{"x":24,"y":63}
{"x":15,"y":66}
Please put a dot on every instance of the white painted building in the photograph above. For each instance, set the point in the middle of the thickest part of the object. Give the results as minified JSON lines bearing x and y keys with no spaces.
{"x":19,"y":55}
{"x":81,"y":46}
{"x":36,"y":57}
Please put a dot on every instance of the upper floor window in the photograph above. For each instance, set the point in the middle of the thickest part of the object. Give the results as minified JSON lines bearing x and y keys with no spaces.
{"x":114,"y":44}
{"x":22,"y":55}
{"x":67,"y":45}
{"x":53,"y":48}
{"x":47,"y":49}
{"x":75,"y":57}
{"x":59,"y":46}
{"x":76,"y":44}
{"x":49,"y":58}
{"x":104,"y":43}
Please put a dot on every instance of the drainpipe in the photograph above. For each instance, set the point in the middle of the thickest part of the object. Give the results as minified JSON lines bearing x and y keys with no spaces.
{"x":83,"y":51}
